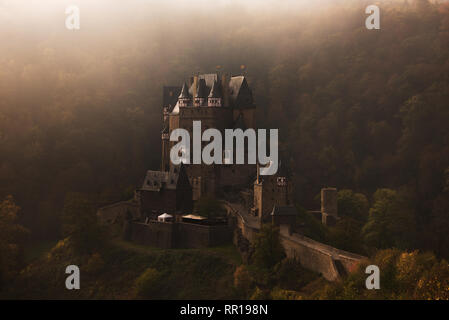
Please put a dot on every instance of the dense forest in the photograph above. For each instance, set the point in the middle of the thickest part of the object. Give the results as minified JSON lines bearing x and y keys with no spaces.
{"x":366,"y":111}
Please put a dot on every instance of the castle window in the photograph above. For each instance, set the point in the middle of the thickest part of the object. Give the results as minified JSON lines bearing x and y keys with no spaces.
{"x":281,"y":181}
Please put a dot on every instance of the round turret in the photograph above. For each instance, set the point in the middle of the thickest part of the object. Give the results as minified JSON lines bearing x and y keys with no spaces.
{"x":214,"y":99}
{"x":184,"y":98}
{"x":201,"y":94}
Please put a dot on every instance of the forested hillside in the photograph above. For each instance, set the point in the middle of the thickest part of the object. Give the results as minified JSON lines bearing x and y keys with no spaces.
{"x":362,"y":110}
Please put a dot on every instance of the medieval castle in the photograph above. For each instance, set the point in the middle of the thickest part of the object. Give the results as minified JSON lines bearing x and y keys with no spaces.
{"x":161,"y":212}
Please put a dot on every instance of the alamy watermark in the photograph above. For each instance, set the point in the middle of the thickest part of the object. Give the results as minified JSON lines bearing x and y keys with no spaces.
{"x":73,"y":280}
{"x":213,"y":152}
{"x":373,"y":280}
{"x":72,"y":21}
{"x":373,"y":20}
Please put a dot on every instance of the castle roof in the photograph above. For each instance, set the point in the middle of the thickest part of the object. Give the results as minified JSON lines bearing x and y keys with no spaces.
{"x":202,"y":89}
{"x":284,"y":211}
{"x":157,"y":180}
{"x":170,"y":96}
{"x":215,"y":92}
{"x":240,"y":95}
{"x":234,"y":85}
{"x":175,"y":109}
{"x":184,"y":92}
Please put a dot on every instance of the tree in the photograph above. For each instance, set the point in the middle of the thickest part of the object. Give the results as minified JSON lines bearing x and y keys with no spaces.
{"x":438,"y":228}
{"x":404,"y":275}
{"x":243,"y":280}
{"x":434,"y":285}
{"x":12,"y":236}
{"x":80,"y":224}
{"x":346,"y":235}
{"x":149,"y":283}
{"x":391,"y":221}
{"x":353,"y":205}
{"x":268,"y":250}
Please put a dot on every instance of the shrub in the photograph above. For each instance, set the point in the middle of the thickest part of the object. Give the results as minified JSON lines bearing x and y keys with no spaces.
{"x":148,"y":283}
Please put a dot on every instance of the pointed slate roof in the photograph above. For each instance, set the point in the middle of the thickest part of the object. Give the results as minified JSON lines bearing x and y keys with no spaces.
{"x":202,"y":89}
{"x":184,"y":92}
{"x":170,"y":96}
{"x":215,"y":92}
{"x":240,"y":93}
{"x":157,"y":180}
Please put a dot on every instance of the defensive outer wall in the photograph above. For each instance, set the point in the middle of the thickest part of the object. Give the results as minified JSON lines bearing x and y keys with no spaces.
{"x":330,"y":262}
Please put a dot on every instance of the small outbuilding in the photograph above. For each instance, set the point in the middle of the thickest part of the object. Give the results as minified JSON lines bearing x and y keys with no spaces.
{"x":191,"y":218}
{"x":165,"y":218}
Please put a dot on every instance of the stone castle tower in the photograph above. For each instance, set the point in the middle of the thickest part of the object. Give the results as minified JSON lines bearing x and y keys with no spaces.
{"x":218,"y":102}
{"x":270,"y":191}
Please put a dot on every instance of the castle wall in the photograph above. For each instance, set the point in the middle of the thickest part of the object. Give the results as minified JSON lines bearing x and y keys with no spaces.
{"x":173,"y":122}
{"x":236,"y":175}
{"x":212,"y":177}
{"x":179,"y":235}
{"x":116,"y":213}
{"x":191,"y":235}
{"x":289,"y":220}
{"x":258,"y":199}
{"x":206,"y":185}
{"x":249,"y":116}
{"x":156,"y":234}
{"x":246,"y":229}
{"x":310,"y":258}
{"x":165,"y":159}
{"x":211,"y":117}
{"x":315,"y":256}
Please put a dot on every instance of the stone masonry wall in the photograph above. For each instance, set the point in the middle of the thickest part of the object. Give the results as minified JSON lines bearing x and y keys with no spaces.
{"x":312,"y":255}
{"x":179,"y":235}
{"x":116,"y":213}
